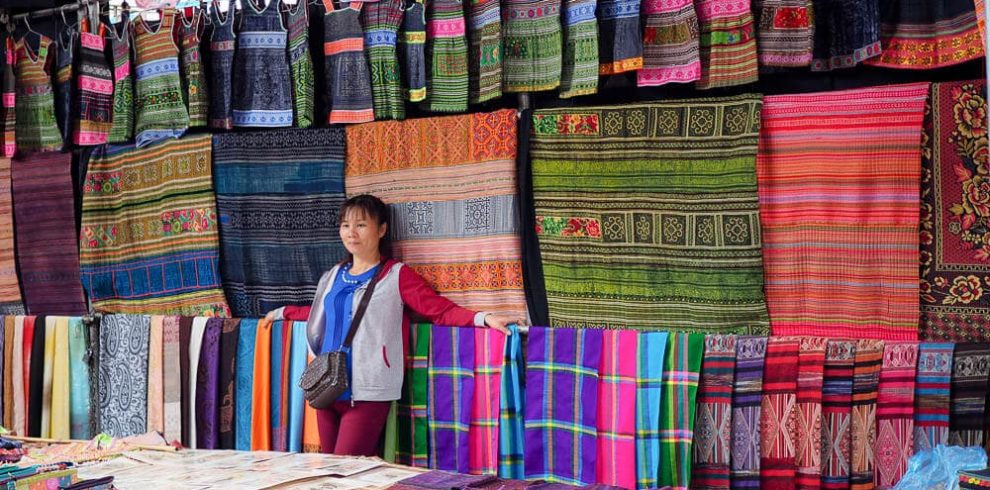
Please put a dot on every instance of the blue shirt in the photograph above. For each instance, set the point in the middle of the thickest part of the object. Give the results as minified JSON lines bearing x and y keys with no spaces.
{"x":338,"y":307}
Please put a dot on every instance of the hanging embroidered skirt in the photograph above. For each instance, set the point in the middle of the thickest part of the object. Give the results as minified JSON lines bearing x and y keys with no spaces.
{"x":620,"y":42}
{"x":222,"y":41}
{"x":485,"y":55}
{"x":532,"y":45}
{"x":122,"y":126}
{"x":728,"y":43}
{"x":670,"y":43}
{"x":197,"y":98}
{"x":925,"y":34}
{"x":381,"y":21}
{"x":348,"y":77}
{"x":412,"y":51}
{"x":847,"y":32}
{"x":579,"y":73}
{"x":784,"y":33}
{"x":446,"y":57}
{"x":94,"y":84}
{"x":301,"y":65}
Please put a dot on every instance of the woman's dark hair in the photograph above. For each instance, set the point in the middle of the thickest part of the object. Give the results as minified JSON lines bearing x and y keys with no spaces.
{"x":373,"y":209}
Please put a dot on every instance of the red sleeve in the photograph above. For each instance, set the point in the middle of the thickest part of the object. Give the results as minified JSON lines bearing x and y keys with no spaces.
{"x":296,"y":313}
{"x":421,"y":298}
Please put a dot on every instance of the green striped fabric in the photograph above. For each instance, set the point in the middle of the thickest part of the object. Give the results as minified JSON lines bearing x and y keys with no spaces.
{"x":381,"y":21}
{"x":446,"y":57}
{"x":648,"y":217}
{"x":486,"y":51}
{"x":579,"y":74}
{"x":532,"y":54}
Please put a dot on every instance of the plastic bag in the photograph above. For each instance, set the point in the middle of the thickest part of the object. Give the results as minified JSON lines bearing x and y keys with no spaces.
{"x":938,"y":469}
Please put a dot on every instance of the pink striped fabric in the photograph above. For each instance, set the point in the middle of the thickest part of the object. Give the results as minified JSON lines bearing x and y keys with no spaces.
{"x":807,"y":427}
{"x":489,"y":355}
{"x":616,"y":455}
{"x":895,"y":413}
{"x":839,"y":187}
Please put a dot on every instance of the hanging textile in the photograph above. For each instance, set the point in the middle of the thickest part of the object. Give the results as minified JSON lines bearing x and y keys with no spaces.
{"x":413,"y":428}
{"x":620,"y":43}
{"x":244,"y":386}
{"x":615,"y":459}
{"x":747,"y":395}
{"x":221,"y":66}
{"x":561,"y":404}
{"x":649,"y":386}
{"x":785,"y":31}
{"x":278,"y":219}
{"x":156,"y":375}
{"x":10,"y":292}
{"x":45,"y":234}
{"x":226,"y":382}
{"x":79,"y":374}
{"x":485,"y":57}
{"x":94,"y":88}
{"x":970,"y":369}
{"x":348,"y":78}
{"x":195,"y":93}
{"x":682,"y":367}
{"x":297,"y":364}
{"x":777,"y":451}
{"x":19,"y":361}
{"x":846,"y":33}
{"x":895,"y":413}
{"x":160,"y":111}
{"x":866,"y":376}
{"x":278,"y":379}
{"x":65,"y":46}
{"x":301,"y":65}
{"x":932,"y":395}
{"x":35,"y":100}
{"x":510,"y":429}
{"x":34,"y":383}
{"x":922,"y":35}
{"x":713,"y":424}
{"x":687,"y":226}
{"x":8,"y":106}
{"x":483,"y":430}
{"x":311,"y":432}
{"x":412,"y":52}
{"x":61,"y":397}
{"x":381,"y":21}
{"x":196,"y":338}
{"x":280,"y":425}
{"x":207,"y":399}
{"x":451,"y":397}
{"x":262,"y":88}
{"x":122,"y":120}
{"x":185,"y":340}
{"x":123,"y":374}
{"x":954,"y":246}
{"x":450,"y":183}
{"x":670,"y":43}
{"x":46,"y":384}
{"x":531,"y":40}
{"x":579,"y":73}
{"x":261,"y":437}
{"x":446,"y":57}
{"x":807,"y":419}
{"x":146,"y":246}
{"x":8,"y":373}
{"x":854,"y":240}
{"x":172,"y":379}
{"x":728,"y":43}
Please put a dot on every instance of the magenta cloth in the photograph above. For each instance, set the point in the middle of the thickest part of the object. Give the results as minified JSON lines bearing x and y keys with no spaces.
{"x":616,"y":463}
{"x":207,"y":378}
{"x":483,"y":432}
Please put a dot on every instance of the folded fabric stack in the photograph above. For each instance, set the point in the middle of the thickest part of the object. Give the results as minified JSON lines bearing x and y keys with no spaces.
{"x":442,"y":480}
{"x":11,"y":451}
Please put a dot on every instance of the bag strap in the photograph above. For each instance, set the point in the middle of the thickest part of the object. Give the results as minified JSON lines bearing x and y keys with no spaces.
{"x":363,"y":305}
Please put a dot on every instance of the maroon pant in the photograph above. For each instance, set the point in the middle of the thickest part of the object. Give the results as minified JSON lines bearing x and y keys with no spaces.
{"x":352,"y":431}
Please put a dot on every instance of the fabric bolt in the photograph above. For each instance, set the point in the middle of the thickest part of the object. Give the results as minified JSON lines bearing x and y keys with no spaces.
{"x":185,"y":339}
{"x":807,"y":416}
{"x":10,"y":291}
{"x":279,"y":378}
{"x":777,"y":449}
{"x":348,"y":77}
{"x":932,"y":395}
{"x":196,"y":340}
{"x":671,"y":52}
{"x":579,"y":72}
{"x":35,"y":96}
{"x":64,"y":65}
{"x":122,"y":118}
{"x":19,"y":363}
{"x":207,"y":399}
{"x":447,"y":77}
{"x":94,"y":88}
{"x":160,"y":111}
{"x":124,"y":374}
{"x":261,"y":437}
{"x":221,"y":67}
{"x":451,"y":185}
{"x":439,"y":480}
{"x":278,"y":214}
{"x":483,"y":431}
{"x":686,"y":228}
{"x":954,"y":253}
{"x":785,"y":32}
{"x":301,"y":65}
{"x":34,"y":384}
{"x":682,"y":368}
{"x":620,"y":42}
{"x":713,"y":423}
{"x":8,"y":372}
{"x":485,"y":55}
{"x":172,"y":379}
{"x":532,"y":45}
{"x":920,"y":35}
{"x":970,"y":370}
{"x":297,"y":364}
{"x":855,"y":240}
{"x":47,"y":375}
{"x":511,"y":410}
{"x":617,"y":389}
{"x":727,"y":41}
{"x":311,"y":430}
{"x":846,"y":33}
{"x":196,"y":95}
{"x":243,"y":385}
{"x":148,"y":247}
{"x":866,"y":375}
{"x":227,"y":382}
{"x":895,"y":413}
{"x":561,"y":410}
{"x":649,"y":391}
{"x":92,"y":326}
{"x":8,"y":105}
{"x":451,"y":397}
{"x":79,"y":375}
{"x":156,"y":375}
{"x":412,"y":51}
{"x":413,"y":426}
{"x":61,"y":402}
{"x":747,"y":397}
{"x":262,"y":81}
{"x":381,"y":21}
{"x":45,"y":234}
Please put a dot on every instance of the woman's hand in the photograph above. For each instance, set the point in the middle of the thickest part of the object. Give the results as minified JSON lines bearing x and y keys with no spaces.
{"x":502,"y":322}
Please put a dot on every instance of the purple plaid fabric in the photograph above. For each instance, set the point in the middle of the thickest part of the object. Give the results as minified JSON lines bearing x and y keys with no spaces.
{"x":747,"y":396}
{"x":451,"y":396}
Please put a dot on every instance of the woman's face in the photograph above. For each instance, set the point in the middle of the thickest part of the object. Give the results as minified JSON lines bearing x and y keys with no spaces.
{"x":361,"y":233}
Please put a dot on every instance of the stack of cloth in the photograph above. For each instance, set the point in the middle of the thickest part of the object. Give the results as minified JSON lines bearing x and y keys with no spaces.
{"x":59,"y":475}
{"x":442,"y":480}
{"x":974,"y":479}
{"x":11,"y":451}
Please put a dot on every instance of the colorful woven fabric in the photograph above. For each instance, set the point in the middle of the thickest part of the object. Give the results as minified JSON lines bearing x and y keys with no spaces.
{"x":510,"y":429}
{"x":579,"y":75}
{"x":227,"y":380}
{"x":895,"y":413}
{"x":852,"y":241}
{"x":777,"y":448}
{"x":123,"y":374}
{"x":451,"y":185}
{"x":147,"y":247}
{"x":485,"y":55}
{"x":806,"y":432}
{"x":785,"y":32}
{"x":413,"y":441}
{"x":45,"y":233}
{"x":207,"y":401}
{"x":278,"y":214}
{"x":686,"y":229}
{"x":79,"y":374}
{"x":932,"y":395}
{"x":194,"y":74}
{"x":446,"y":57}
{"x":921,"y":35}
{"x":713,"y":425}
{"x":649,"y":388}
{"x":243,"y":384}
{"x":381,"y":21}
{"x":348,"y":78}
{"x":846,"y":33}
{"x":682,"y":367}
{"x":262,"y":83}
{"x":156,"y":374}
{"x":261,"y":407}
{"x":35,"y":99}
{"x":620,"y":42}
{"x":532,"y":45}
{"x":617,"y":385}
{"x":297,"y":363}
{"x":8,"y":105}
{"x":20,"y":361}
{"x":221,"y":67}
{"x":412,"y":51}
{"x":837,"y":414}
{"x":10,"y":291}
{"x":94,"y":88}
{"x":8,"y":372}
{"x":301,"y":65}
{"x":172,"y":382}
{"x":158,"y":103}
{"x":561,"y":404}
{"x":747,"y":397}
{"x":728,"y":43}
{"x":281,"y":349}
{"x":954,"y":252}
{"x":451,"y":397}
{"x":61,"y":385}
{"x":65,"y":49}
{"x":866,"y":377}
{"x":483,"y":431}
{"x":122,"y":120}
{"x":47,"y":377}
{"x":970,"y":369}
{"x":670,"y":43}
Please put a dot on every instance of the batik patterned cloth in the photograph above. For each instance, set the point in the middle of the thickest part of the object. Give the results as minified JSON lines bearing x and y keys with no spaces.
{"x":955,"y":214}
{"x":713,"y":426}
{"x":483,"y":430}
{"x":932,"y":395}
{"x":579,"y":72}
{"x":381,"y":21}
{"x":777,"y":448}
{"x":649,"y":391}
{"x":10,"y":291}
{"x":278,"y":214}
{"x":561,"y":404}
{"x":970,"y":369}
{"x":620,"y":42}
{"x":922,"y":35}
{"x":846,"y":33}
{"x":747,"y":393}
{"x":147,"y":247}
{"x":347,"y":75}
{"x":532,"y":45}
{"x":413,"y":428}
{"x":122,"y":119}
{"x":35,"y":99}
{"x":853,"y":240}
{"x":866,"y":377}
{"x":446,"y":57}
{"x":451,"y":397}
{"x":262,"y":84}
{"x":670,"y":43}
{"x":895,"y":413}
{"x":301,"y":65}
{"x":510,"y":430}
{"x":728,"y":43}
{"x":807,"y":420}
{"x":686,"y":228}
{"x":221,"y":67}
{"x":682,"y":368}
{"x":94,"y":88}
{"x":123,"y":374}
{"x":158,"y":103}
{"x":412,"y":51}
{"x":616,"y":451}
{"x":451,"y":186}
{"x":785,"y":32}
{"x":485,"y":55}
{"x":197,"y":97}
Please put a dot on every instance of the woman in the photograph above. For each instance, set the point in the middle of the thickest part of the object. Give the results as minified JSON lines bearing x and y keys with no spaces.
{"x":354,"y":423}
